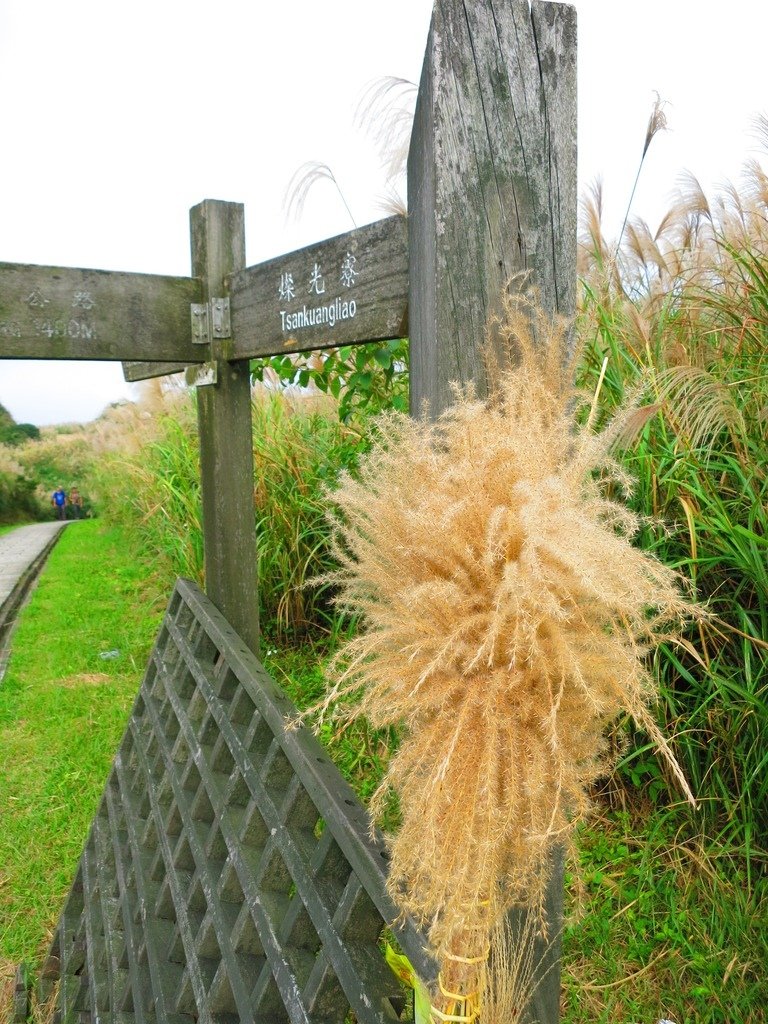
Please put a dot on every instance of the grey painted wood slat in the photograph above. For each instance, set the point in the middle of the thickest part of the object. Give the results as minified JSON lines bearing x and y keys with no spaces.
{"x":64,"y":943}
{"x":271,"y":944}
{"x":239,"y":988}
{"x":130,"y":929}
{"x":150,"y":937}
{"x":90,"y":979}
{"x":99,"y":983}
{"x":108,"y":904}
{"x":277,"y":309}
{"x":73,"y":313}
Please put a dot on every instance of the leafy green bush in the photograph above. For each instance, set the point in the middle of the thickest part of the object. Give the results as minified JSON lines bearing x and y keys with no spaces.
{"x":364,"y":379}
{"x":17,"y":491}
{"x":18,"y":433}
{"x":64,"y":459}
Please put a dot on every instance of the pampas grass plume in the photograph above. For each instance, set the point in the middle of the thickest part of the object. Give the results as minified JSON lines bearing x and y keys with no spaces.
{"x":506,"y":617}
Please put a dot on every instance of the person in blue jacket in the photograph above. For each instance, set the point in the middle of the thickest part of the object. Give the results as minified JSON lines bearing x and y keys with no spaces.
{"x":59,"y":502}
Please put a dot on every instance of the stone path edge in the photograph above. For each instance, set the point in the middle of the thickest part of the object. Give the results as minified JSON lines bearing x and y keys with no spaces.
{"x":24,"y":585}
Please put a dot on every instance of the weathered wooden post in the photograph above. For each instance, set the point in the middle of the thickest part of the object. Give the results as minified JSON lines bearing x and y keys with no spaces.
{"x":224,"y":419}
{"x":492,"y":195}
{"x":492,"y":190}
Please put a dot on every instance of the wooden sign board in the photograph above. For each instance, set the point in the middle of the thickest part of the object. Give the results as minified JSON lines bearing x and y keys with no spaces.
{"x":67,"y":313}
{"x":343,"y":291}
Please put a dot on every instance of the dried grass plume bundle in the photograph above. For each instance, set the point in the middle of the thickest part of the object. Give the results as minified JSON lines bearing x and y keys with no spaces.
{"x":506,"y":617}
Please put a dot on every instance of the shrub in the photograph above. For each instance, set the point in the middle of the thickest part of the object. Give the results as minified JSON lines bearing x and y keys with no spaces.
{"x":17,"y":491}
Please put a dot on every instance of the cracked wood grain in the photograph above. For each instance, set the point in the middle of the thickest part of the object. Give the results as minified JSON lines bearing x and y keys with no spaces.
{"x":491,"y":180}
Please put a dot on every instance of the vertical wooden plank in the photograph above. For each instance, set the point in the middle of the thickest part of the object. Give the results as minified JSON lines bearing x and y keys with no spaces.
{"x":492,"y":195}
{"x":224,"y":420}
{"x":491,"y":179}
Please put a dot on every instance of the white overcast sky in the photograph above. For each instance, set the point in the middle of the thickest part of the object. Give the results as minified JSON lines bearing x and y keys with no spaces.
{"x":118,"y":117}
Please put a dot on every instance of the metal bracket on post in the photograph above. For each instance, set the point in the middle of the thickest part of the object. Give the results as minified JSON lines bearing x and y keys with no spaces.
{"x":220,"y":318}
{"x":210,"y":320}
{"x":201,"y":325}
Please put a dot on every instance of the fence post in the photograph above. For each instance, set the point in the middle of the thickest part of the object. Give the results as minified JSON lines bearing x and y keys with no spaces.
{"x":224,"y":421}
{"x":492,"y":195}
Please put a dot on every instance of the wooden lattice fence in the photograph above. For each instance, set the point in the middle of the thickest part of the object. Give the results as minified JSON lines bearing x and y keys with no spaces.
{"x":229,"y":873}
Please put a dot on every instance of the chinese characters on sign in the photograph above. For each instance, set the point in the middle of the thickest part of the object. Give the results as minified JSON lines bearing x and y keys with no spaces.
{"x":36,"y":300}
{"x":331,"y":312}
{"x":316,"y":283}
{"x":348,"y":272}
{"x":71,"y":321}
{"x":83,"y":300}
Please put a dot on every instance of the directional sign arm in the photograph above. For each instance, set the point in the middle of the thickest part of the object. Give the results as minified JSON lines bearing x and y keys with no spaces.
{"x":71,"y":313}
{"x":343,"y":291}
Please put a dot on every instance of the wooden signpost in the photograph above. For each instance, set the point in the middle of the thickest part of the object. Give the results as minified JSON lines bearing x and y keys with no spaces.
{"x":492,"y":200}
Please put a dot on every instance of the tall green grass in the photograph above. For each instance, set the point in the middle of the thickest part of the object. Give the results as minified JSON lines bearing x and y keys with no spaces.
{"x":298,"y":451}
{"x":17,"y":490}
{"x":695,"y":358}
{"x":298,"y":447}
{"x":155,"y":488}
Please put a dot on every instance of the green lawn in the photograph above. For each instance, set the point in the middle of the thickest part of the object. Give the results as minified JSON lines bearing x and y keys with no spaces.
{"x":63,"y":709}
